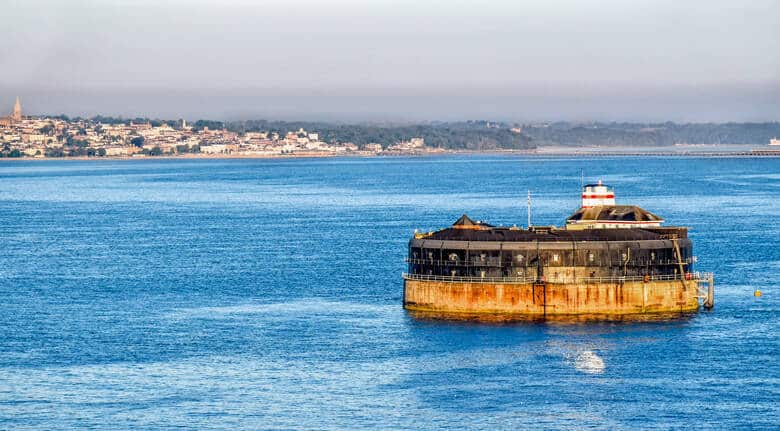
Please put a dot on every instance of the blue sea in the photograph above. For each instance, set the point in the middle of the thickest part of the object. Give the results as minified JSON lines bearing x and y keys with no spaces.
{"x":266,"y":294}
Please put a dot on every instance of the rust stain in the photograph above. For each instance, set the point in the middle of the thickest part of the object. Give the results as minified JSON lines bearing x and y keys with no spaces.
{"x":556,"y":298}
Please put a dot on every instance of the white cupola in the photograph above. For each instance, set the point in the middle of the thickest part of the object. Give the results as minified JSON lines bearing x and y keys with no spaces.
{"x":597,"y":194}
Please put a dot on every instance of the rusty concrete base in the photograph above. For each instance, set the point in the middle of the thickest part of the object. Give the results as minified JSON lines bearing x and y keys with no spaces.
{"x":550,"y":299}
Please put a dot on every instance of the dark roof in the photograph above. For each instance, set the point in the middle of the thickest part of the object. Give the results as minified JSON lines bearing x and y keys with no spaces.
{"x":464,"y":220}
{"x":548,"y":234}
{"x":597,"y":185}
{"x":614,"y":213}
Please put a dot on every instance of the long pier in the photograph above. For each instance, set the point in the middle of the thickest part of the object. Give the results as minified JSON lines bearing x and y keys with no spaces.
{"x":723,"y":154}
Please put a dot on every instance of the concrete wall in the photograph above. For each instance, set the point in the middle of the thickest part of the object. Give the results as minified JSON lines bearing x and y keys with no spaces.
{"x":551,"y":298}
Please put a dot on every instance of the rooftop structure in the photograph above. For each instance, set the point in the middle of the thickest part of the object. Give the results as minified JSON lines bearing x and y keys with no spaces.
{"x":464,"y":222}
{"x":613,"y":216}
{"x":600,"y":211}
{"x":597,"y":194}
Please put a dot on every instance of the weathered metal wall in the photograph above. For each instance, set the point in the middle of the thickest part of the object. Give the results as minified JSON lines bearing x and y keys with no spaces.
{"x":550,"y":298}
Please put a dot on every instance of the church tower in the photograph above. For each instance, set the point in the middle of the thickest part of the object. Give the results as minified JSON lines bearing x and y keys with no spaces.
{"x":17,"y":115}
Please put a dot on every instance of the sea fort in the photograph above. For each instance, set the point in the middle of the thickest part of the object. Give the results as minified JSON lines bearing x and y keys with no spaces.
{"x":607,"y":260}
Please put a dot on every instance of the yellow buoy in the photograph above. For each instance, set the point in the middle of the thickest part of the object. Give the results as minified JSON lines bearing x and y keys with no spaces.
{"x":757,"y":293}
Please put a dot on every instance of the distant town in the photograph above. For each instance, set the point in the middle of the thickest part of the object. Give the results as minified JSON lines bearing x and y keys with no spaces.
{"x":63,"y":137}
{"x":40,"y":137}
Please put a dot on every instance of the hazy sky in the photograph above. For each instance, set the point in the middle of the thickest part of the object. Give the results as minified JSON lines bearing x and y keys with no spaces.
{"x":394,"y":60}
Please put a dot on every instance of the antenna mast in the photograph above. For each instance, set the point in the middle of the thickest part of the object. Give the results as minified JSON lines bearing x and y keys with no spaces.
{"x":529,"y":209}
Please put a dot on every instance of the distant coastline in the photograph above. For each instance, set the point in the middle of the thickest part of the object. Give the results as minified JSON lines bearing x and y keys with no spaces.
{"x":61,"y":137}
{"x":537,"y":153}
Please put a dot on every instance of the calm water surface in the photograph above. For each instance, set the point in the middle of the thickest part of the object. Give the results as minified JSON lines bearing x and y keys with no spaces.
{"x":257,"y":294}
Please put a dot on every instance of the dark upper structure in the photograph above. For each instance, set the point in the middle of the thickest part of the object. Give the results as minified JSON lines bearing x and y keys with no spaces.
{"x":614,"y":214}
{"x":464,"y":222}
{"x":598,"y":240}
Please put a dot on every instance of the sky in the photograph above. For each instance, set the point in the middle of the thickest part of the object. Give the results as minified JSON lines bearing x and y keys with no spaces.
{"x":399,"y":60}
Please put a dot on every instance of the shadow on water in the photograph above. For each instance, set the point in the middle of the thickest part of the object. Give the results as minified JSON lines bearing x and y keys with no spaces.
{"x":519,"y":319}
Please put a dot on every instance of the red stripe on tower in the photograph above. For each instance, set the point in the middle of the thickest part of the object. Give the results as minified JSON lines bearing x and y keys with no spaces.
{"x":597,"y":194}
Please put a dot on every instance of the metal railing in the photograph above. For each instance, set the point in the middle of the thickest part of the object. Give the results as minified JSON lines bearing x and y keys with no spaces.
{"x":657,"y":277}
{"x":467,"y":279}
{"x":497,"y":262}
{"x":474,"y":262}
{"x":694,"y":276}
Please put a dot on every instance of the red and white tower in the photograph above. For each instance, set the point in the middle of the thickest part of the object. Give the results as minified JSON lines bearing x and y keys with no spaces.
{"x":597,"y":194}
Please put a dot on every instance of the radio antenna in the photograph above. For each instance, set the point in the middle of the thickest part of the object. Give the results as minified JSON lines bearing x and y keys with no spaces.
{"x":529,"y":209}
